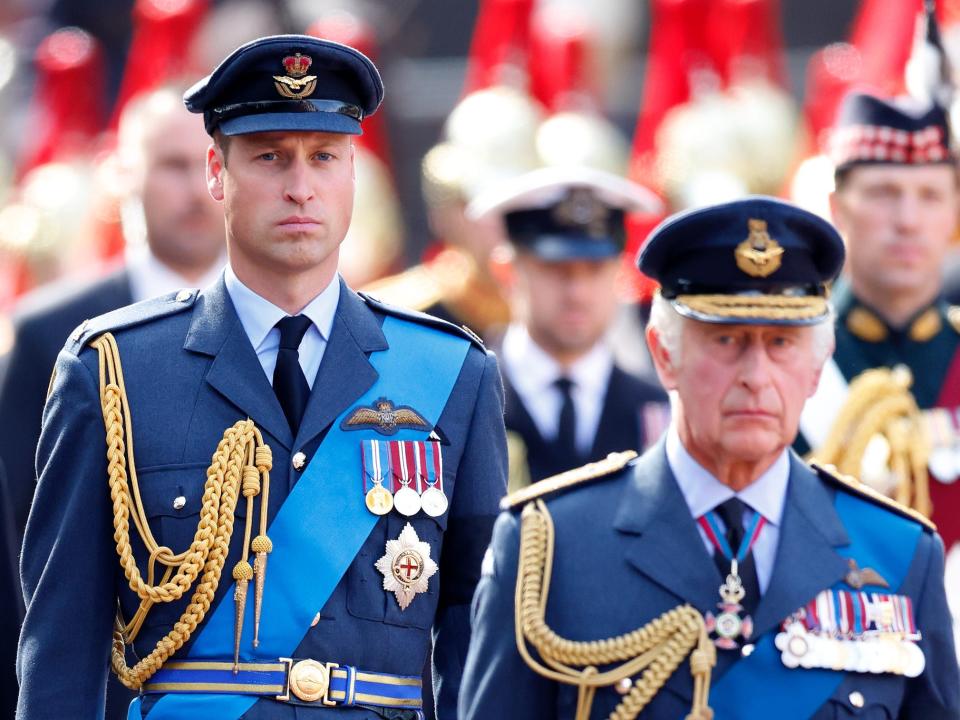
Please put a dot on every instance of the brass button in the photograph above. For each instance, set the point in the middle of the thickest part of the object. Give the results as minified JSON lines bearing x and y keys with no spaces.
{"x":309,"y":680}
{"x":299,"y":461}
{"x":856,"y":699}
{"x":184,"y":295}
{"x":623,"y":685}
{"x":179,"y":502}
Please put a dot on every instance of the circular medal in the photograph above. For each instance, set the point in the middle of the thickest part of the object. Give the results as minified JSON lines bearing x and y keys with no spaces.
{"x":406,"y":501}
{"x":943,"y":464}
{"x":913,"y":660}
{"x":728,"y":625}
{"x":434,"y":502}
{"x":379,"y":500}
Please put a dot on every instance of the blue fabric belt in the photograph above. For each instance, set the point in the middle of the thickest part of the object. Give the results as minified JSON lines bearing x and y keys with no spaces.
{"x":347,"y":685}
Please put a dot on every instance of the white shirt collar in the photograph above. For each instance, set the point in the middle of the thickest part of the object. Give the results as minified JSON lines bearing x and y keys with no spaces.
{"x":259,"y":316}
{"x":703,"y":492}
{"x":532,"y":371}
{"x":149,"y":277}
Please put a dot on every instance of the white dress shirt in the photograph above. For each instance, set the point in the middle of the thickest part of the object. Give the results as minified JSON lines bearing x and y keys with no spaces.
{"x":149,"y":277}
{"x":703,"y":492}
{"x":532,"y":372}
{"x":259,"y":316}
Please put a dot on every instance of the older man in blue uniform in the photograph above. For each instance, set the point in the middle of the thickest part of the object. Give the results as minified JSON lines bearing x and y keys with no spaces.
{"x":258,"y":551}
{"x":797,"y":593}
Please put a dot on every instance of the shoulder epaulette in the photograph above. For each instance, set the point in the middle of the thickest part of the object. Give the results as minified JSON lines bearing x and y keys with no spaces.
{"x":415,"y":288}
{"x":131,"y":316}
{"x":423,"y":319}
{"x":953,"y":317}
{"x":611,"y":464}
{"x":852,"y":485}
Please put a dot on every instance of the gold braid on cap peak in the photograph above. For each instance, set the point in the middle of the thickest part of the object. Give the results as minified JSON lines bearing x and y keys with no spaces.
{"x":653,"y":651}
{"x":880,"y":410}
{"x":241,"y":465}
{"x":773,"y":307}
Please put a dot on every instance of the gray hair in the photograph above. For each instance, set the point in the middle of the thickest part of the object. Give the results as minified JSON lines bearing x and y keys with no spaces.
{"x":668,"y":324}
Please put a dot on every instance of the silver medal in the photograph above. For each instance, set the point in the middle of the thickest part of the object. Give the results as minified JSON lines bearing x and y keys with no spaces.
{"x":434,"y":502}
{"x":406,"y":501}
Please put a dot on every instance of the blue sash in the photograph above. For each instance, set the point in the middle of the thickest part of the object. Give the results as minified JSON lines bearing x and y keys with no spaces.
{"x":757,"y":685}
{"x":323,"y":522}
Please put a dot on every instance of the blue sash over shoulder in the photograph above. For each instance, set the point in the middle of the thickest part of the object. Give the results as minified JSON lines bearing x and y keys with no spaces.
{"x":323,"y":522}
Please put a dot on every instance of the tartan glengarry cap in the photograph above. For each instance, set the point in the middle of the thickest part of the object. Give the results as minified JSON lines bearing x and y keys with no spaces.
{"x":758,"y":260}
{"x":288,"y":83}
{"x":901,"y":131}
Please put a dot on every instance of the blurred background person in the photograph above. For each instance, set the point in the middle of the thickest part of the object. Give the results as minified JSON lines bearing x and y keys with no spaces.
{"x":175,"y":236}
{"x":567,"y":402}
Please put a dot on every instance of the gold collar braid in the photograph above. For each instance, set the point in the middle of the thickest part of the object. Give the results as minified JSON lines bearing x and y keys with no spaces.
{"x":656,"y":649}
{"x":240,"y":464}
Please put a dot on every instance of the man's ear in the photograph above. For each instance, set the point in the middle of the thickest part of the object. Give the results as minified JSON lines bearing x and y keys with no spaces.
{"x":836,"y":210}
{"x":215,"y":168}
{"x":502,"y":267}
{"x":665,"y":365}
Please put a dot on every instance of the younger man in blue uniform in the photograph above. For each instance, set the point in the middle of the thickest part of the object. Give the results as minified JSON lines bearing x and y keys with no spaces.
{"x":316,"y":569}
{"x":831,"y":599}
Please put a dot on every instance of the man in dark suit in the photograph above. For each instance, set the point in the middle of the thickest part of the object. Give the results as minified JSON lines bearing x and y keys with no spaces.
{"x":303,"y":546}
{"x":796,"y":593}
{"x":567,"y":402}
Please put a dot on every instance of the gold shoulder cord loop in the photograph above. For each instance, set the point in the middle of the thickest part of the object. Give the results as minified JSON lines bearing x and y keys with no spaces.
{"x":880,"y":408}
{"x":656,"y":649}
{"x":241,"y":463}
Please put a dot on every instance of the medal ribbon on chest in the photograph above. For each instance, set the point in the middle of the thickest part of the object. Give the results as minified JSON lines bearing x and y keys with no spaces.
{"x":406,"y":475}
{"x":732,"y":625}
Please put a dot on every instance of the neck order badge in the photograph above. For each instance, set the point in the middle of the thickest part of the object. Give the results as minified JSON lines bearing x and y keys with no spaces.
{"x":320,"y":507}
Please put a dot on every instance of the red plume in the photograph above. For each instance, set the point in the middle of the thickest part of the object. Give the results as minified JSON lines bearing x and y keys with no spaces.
{"x":163,"y":30}
{"x":562,"y":63}
{"x":67,"y":108}
{"x":501,"y":37}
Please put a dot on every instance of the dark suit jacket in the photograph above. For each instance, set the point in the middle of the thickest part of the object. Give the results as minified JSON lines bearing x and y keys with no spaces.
{"x":42,"y":324}
{"x":621,"y":423}
{"x":190,"y":373}
{"x":627,"y":550}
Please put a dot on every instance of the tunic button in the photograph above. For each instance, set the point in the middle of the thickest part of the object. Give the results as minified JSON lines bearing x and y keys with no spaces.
{"x":856,"y":699}
{"x":623,"y":685}
{"x":179,"y":502}
{"x":184,"y":295}
{"x":299,"y":460}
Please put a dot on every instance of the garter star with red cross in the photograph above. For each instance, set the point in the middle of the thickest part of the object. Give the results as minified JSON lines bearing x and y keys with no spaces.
{"x":406,"y":566}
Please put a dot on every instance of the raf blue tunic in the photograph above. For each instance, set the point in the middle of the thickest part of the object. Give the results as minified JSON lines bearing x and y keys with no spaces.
{"x":627,"y":550}
{"x":190,"y":373}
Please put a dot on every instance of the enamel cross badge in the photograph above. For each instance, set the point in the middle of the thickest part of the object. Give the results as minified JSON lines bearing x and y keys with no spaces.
{"x":406,"y":566}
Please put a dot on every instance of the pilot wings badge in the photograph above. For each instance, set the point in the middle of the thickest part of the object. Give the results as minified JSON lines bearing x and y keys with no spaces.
{"x":759,"y":255}
{"x":385,"y":418}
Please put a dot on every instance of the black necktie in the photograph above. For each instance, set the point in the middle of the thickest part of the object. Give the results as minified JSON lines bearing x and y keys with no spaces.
{"x":566,"y":443}
{"x":289,"y":383}
{"x":731,"y":512}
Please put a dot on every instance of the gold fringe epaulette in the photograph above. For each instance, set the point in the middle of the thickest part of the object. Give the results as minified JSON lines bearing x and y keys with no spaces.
{"x":850,"y":483}
{"x":591,"y":471}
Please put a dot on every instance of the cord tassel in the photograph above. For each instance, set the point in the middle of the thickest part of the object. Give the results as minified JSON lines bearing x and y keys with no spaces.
{"x":261,"y":545}
{"x":242,"y":572}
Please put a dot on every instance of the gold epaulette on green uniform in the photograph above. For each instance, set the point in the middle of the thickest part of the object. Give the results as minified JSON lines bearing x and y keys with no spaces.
{"x":591,"y":471}
{"x":852,"y":484}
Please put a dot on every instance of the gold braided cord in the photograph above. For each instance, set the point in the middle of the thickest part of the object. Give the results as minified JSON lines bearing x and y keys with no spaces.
{"x":229,"y":473}
{"x":771,"y":307}
{"x":656,"y":650}
{"x":880,"y":407}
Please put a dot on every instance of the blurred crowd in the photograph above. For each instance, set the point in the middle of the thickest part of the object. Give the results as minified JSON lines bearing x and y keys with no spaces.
{"x":103,"y":200}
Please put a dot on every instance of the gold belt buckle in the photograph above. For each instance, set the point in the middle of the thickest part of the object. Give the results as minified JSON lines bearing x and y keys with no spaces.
{"x":308,"y":680}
